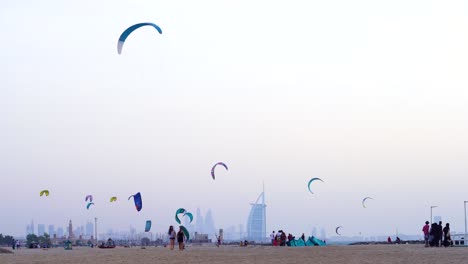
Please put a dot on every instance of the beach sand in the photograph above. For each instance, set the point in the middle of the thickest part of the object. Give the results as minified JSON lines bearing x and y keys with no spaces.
{"x":372,"y":254}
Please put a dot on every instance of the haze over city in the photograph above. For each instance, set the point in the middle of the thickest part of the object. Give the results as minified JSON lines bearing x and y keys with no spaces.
{"x":370,"y":96}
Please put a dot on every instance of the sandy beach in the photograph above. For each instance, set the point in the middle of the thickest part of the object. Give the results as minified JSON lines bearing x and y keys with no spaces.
{"x":384,"y":254}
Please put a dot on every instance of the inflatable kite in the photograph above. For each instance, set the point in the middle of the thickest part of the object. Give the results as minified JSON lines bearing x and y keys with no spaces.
{"x":46,"y":192}
{"x":190,"y":216}
{"x":213,"y":169}
{"x":113,"y":199}
{"x":336,"y":230}
{"x":148,"y":226}
{"x":89,"y":197}
{"x":364,"y":201}
{"x":185,"y":213}
{"x":311,"y":181}
{"x":137,"y":200}
{"x":89,"y":204}
{"x":129,"y":30}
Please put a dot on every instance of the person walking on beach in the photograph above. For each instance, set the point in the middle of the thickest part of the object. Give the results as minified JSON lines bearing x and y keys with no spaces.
{"x":272,"y":238}
{"x":425,"y":230}
{"x":172,"y":236}
{"x":180,"y":239}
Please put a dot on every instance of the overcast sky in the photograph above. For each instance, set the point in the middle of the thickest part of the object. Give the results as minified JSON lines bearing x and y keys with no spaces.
{"x":371,"y":96}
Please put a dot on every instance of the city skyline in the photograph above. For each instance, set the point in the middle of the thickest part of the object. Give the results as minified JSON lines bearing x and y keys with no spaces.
{"x":369,"y":96}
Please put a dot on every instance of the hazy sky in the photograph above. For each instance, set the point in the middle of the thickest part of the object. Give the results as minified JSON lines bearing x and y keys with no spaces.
{"x":371,"y":96}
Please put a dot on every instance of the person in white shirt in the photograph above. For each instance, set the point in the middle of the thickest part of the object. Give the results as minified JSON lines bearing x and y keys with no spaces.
{"x":272,"y":237}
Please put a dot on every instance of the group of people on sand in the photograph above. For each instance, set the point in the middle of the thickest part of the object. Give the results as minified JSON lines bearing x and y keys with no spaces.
{"x":280,"y":238}
{"x":437,"y":236}
{"x":16,"y":244}
{"x":180,"y":236}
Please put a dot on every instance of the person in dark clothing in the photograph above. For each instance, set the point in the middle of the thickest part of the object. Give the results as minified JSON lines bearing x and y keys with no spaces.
{"x":447,"y":238}
{"x":433,"y":234}
{"x":180,"y":239}
{"x":290,"y":237}
{"x":283,"y":239}
{"x":303,"y":237}
{"x":441,"y":234}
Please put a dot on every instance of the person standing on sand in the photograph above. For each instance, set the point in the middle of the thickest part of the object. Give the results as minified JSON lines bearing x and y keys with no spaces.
{"x":432,"y":234}
{"x":425,"y":230}
{"x":172,"y":235}
{"x":447,"y":238}
{"x":180,"y":239}
{"x":283,"y":239}
{"x":272,"y":238}
{"x":303,"y":237}
{"x":441,"y":233}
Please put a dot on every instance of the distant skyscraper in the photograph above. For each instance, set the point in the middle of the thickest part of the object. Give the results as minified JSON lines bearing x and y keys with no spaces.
{"x":323,"y":234}
{"x":314,"y":231}
{"x":40,"y":229}
{"x":60,"y":232}
{"x":256,"y":223}
{"x":199,"y":222}
{"x":209,"y":227}
{"x":51,"y":230}
{"x":89,"y":229}
{"x":32,"y":226}
{"x":71,"y":236}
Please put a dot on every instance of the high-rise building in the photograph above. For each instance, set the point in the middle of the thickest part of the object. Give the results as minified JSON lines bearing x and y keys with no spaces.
{"x":323,"y":234}
{"x":199,"y":222}
{"x":71,"y":236}
{"x":51,"y":230}
{"x":209,"y":226}
{"x":256,"y":223}
{"x":40,"y":229}
{"x":32,"y":227}
{"x":314,"y":231}
{"x":89,"y":229}
{"x":60,"y":232}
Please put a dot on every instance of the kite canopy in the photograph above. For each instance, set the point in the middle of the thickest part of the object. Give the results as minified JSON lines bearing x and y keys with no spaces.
{"x":113,"y":199}
{"x":213,"y":169}
{"x":129,"y":30}
{"x":148,"y":226}
{"x":364,"y":201}
{"x":137,"y":200}
{"x":311,"y":181}
{"x":185,"y":213}
{"x":46,"y":192}
{"x":189,"y":216}
{"x":89,"y":204}
{"x":186,"y":233}
{"x":89,"y":197}
{"x":336,"y":230}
